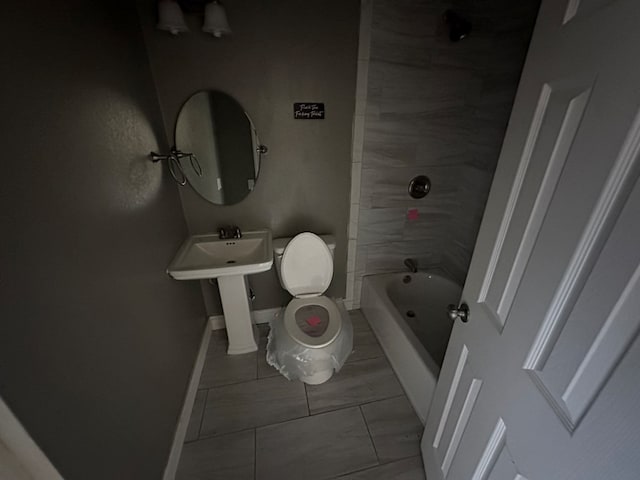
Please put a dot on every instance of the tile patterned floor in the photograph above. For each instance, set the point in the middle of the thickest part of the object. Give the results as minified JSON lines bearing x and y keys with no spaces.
{"x":250,"y":423}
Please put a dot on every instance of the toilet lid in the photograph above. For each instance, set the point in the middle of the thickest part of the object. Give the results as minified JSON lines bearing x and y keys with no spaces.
{"x":312,"y":322}
{"x":307,"y":266}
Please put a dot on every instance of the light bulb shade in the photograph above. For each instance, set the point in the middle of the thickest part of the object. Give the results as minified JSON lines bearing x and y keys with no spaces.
{"x":170,"y":17}
{"x":215,"y":20}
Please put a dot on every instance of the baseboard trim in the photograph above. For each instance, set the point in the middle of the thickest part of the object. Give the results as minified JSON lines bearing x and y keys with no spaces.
{"x":20,"y":456}
{"x":187,"y":406}
{"x":259,"y":316}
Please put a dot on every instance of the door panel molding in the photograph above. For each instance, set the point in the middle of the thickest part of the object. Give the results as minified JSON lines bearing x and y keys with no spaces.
{"x":491,"y":452}
{"x":496,"y":462}
{"x":561,"y":149}
{"x":612,"y":200}
{"x":455,"y":383}
{"x":461,"y":424}
{"x":514,"y":194}
{"x":464,"y":384}
{"x":619,"y":331}
{"x":560,"y":108}
{"x":614,"y":195}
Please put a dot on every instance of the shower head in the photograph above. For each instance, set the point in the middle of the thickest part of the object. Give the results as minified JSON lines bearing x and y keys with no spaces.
{"x":459,"y":28}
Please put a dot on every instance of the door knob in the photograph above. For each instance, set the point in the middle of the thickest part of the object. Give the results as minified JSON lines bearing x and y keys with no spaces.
{"x":462,"y":312}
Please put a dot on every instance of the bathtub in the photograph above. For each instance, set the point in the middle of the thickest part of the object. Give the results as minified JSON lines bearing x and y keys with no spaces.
{"x":408,"y":314}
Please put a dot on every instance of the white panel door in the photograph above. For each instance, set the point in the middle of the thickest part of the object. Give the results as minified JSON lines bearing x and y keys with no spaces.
{"x":542,"y":382}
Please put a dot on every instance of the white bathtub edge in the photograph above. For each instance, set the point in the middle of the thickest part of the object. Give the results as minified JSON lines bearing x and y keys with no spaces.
{"x":407,"y":356}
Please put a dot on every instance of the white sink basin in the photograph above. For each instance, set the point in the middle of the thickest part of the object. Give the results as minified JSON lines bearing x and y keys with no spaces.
{"x":206,"y":256}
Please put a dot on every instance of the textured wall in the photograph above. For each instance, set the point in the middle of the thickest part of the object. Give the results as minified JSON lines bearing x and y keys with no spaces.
{"x":279,"y":53}
{"x":96,"y":342}
{"x":435,"y":108}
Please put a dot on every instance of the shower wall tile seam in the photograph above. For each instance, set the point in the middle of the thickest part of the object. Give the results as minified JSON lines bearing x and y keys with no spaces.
{"x":354,"y":220}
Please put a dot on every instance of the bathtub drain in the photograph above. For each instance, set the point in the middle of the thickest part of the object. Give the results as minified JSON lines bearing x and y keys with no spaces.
{"x":411,"y":313}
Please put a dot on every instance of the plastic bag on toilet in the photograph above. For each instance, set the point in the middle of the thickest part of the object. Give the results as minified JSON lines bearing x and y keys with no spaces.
{"x":295,"y":361}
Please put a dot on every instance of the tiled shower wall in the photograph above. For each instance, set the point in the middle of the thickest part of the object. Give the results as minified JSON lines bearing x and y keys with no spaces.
{"x":427,"y":106}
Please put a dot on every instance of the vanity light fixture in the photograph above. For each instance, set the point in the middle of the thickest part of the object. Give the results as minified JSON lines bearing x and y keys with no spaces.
{"x":170,"y":17}
{"x":215,"y":20}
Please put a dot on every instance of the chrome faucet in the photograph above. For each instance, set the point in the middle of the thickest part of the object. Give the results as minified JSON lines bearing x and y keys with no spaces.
{"x":411,"y":264}
{"x":227,"y":233}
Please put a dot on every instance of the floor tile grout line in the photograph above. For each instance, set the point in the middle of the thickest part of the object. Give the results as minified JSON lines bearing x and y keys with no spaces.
{"x":306,"y":396}
{"x":309,"y":414}
{"x":204,"y":408}
{"x":235,"y":432}
{"x":349,"y":362}
{"x":351,"y":405}
{"x":383,"y":356}
{"x":351,"y":472}
{"x":258,"y":357}
{"x":366,"y":424}
{"x":399,"y":459}
{"x":255,"y":427}
{"x":255,"y":453}
{"x":214,"y":387}
{"x":345,"y":407}
{"x":342,"y":475}
{"x":366,"y":469}
{"x":286,"y":421}
{"x":256,"y":363}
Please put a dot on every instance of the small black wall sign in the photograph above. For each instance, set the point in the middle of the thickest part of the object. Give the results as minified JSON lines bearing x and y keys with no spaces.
{"x":308,"y":111}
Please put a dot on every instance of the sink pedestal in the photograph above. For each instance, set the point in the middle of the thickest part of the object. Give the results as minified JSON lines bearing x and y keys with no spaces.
{"x":237,"y":314}
{"x":206,"y":256}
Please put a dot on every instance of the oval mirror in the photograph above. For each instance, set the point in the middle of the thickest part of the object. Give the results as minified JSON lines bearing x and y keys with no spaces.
{"x":220,"y":147}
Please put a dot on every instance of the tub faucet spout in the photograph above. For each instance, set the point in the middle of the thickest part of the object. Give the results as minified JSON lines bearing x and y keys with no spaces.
{"x":411,"y":264}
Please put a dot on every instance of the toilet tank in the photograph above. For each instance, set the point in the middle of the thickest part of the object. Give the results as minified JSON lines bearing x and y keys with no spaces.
{"x":279,"y":244}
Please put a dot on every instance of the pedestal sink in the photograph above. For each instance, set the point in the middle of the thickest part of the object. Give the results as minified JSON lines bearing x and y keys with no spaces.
{"x":229,"y":260}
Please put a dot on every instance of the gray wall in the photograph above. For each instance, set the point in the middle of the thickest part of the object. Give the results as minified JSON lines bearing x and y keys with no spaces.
{"x":96,"y":342}
{"x":279,"y":53}
{"x":440,"y":109}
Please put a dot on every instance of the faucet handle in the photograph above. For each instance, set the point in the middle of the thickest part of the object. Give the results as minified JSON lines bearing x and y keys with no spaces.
{"x":230,"y":231}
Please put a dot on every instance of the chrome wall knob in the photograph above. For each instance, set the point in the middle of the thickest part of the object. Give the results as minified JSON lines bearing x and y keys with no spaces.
{"x":462,"y":312}
{"x":419,"y":186}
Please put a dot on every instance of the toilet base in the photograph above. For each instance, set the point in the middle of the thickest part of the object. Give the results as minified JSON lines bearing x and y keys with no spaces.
{"x":297,"y":361}
{"x":317,"y":378}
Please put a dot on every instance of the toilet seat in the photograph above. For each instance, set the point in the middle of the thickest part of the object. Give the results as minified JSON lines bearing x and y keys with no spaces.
{"x":306,"y":272}
{"x":296,"y":333}
{"x":306,"y":269}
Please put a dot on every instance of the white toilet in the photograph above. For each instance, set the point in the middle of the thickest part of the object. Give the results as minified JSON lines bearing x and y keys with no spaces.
{"x":313,"y":335}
